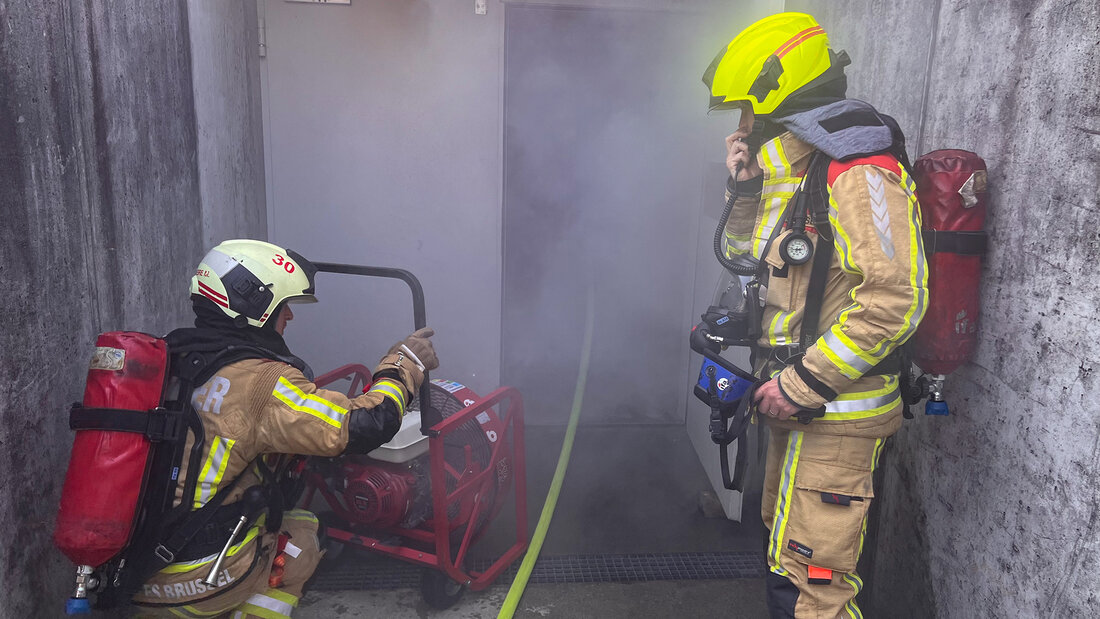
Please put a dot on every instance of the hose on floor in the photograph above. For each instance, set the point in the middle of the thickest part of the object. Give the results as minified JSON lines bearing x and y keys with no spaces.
{"x":519,"y":585}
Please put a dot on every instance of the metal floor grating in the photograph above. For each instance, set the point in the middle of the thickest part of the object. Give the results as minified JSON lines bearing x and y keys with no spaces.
{"x":359,"y":575}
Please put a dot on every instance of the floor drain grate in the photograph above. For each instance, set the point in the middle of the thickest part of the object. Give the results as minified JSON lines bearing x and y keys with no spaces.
{"x":562,"y":569}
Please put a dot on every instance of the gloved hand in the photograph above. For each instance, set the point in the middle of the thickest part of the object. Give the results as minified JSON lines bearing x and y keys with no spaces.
{"x":420,"y":346}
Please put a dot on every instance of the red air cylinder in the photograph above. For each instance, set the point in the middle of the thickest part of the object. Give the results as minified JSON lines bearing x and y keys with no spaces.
{"x":951,"y":187}
{"x":99,"y":501}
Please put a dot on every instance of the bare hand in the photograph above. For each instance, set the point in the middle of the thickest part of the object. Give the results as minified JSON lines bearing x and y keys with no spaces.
{"x":738,"y":159}
{"x":770,"y":401}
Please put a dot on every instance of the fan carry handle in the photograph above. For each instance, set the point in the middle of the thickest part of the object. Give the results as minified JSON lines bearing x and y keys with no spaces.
{"x":429,"y":417}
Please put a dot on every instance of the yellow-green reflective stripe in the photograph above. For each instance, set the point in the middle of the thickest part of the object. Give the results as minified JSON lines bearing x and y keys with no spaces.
{"x":213,"y":470}
{"x":918,"y":267}
{"x":844,"y":353}
{"x":737,"y":244}
{"x":851,"y":606}
{"x":310,"y":404}
{"x":839,"y":410}
{"x":271,"y":604}
{"x":773,"y":212}
{"x":841,"y":240}
{"x":392,"y":391}
{"x":282,"y":596}
{"x":779,"y":333}
{"x":879,"y":443}
{"x":837,"y":362}
{"x":300,"y":514}
{"x":852,"y":578}
{"x":778,"y":186}
{"x":194,"y":612}
{"x":187,"y":566}
{"x":775,"y":158}
{"x":783,"y":499}
{"x":248,"y":609}
{"x":889,"y":385}
{"x":778,"y":168}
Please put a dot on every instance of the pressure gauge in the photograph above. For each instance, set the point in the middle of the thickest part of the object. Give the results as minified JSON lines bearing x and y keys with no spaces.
{"x":796,"y":248}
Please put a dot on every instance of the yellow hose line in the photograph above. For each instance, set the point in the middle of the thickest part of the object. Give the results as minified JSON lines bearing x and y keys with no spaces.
{"x":520,"y":583}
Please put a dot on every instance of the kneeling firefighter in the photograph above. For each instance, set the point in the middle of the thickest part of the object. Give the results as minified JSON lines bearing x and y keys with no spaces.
{"x":226,"y":538}
{"x":824,"y":223}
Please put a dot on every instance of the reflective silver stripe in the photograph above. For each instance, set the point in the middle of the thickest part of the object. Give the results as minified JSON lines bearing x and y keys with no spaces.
{"x":219,"y":263}
{"x":780,"y":324}
{"x":780,"y":188}
{"x":738,"y":243}
{"x":314,"y":405}
{"x":772,"y":217}
{"x":269,"y":603}
{"x":857,"y":406}
{"x":880,"y":213}
{"x":846,"y":355}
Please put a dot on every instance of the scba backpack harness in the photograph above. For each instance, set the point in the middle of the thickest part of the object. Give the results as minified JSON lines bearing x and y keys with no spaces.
{"x":946,"y":182}
{"x":118,"y":520}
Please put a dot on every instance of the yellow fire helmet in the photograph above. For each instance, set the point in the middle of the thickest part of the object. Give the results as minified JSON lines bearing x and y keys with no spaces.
{"x":769,"y":61}
{"x":249,"y":279}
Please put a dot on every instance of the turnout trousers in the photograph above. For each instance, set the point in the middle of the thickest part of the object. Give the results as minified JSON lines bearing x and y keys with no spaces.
{"x":817,"y":492}
{"x":253,"y":597}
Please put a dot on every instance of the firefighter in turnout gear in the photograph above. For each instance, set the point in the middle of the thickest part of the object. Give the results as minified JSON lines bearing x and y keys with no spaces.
{"x":833,"y":351}
{"x":257,"y":403}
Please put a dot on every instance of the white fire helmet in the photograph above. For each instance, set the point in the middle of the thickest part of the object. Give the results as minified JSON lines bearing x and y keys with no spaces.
{"x":249,"y":279}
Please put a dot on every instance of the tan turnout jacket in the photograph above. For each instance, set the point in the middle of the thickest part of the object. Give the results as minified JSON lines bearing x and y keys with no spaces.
{"x":250,"y":408}
{"x":876,"y":292}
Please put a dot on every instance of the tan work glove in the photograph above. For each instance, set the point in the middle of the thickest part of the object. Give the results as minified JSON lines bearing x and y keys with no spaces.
{"x":420,"y":346}
{"x":399,"y":364}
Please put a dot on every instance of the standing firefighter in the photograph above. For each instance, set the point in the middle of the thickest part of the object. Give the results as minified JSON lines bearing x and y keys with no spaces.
{"x":256,"y":402}
{"x":827,"y":213}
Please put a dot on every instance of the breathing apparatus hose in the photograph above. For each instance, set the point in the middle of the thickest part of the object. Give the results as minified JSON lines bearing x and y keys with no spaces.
{"x":744,"y":268}
{"x":515,"y":592}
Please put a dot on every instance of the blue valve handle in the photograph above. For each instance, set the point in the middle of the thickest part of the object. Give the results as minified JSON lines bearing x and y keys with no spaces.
{"x":936,"y":408}
{"x":78,"y":606}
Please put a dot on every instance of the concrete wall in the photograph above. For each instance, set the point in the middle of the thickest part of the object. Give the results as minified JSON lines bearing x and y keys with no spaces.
{"x":225,"y":65}
{"x":102,"y":207}
{"x":992,"y":512}
{"x":384,"y":133}
{"x":383,"y":136}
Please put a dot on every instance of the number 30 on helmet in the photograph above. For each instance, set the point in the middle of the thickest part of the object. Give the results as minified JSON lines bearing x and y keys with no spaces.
{"x":248,"y":279}
{"x":769,"y":61}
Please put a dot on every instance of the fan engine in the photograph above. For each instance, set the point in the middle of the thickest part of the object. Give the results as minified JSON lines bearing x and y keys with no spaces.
{"x":379,"y":494}
{"x":391,"y":487}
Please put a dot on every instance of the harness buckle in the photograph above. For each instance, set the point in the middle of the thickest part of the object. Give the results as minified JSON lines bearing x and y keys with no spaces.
{"x":788,"y":355}
{"x":164,"y":425}
{"x":164,"y":554}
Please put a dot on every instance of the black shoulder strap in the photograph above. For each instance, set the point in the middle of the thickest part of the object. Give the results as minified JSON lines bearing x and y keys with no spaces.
{"x":165,"y":552}
{"x":817,"y":194}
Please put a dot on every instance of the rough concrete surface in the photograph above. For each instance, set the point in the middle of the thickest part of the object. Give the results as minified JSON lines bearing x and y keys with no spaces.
{"x":993,"y":512}
{"x":102,"y":224}
{"x":225,"y":69}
